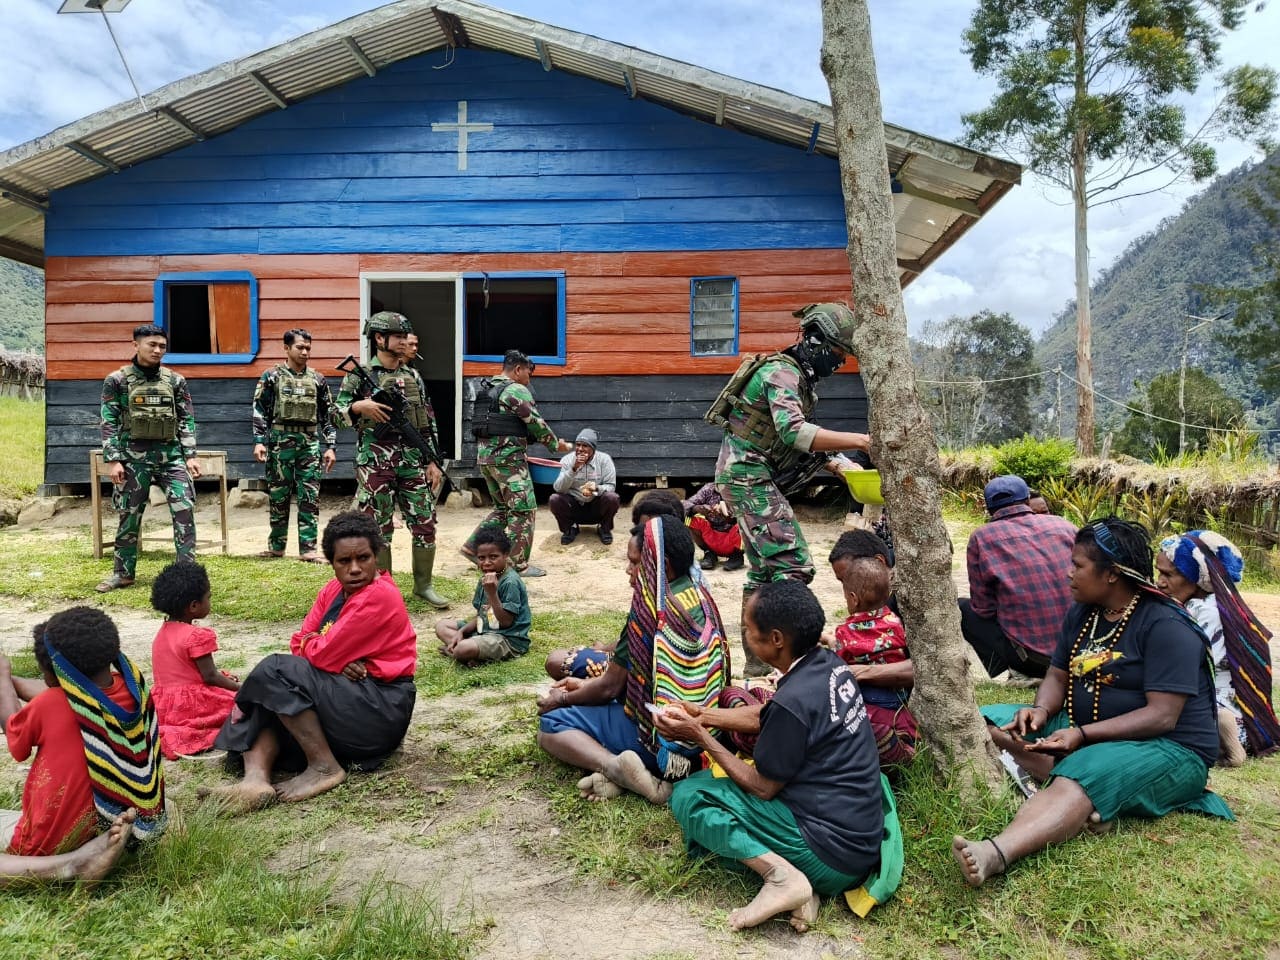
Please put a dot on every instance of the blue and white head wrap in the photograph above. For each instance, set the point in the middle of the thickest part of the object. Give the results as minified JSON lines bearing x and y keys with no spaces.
{"x":1189,"y":561}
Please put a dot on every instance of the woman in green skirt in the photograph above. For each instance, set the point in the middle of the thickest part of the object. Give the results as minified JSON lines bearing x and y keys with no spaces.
{"x":810,"y":816}
{"x":1124,"y":722}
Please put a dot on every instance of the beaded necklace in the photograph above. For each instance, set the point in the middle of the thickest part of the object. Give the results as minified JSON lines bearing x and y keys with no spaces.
{"x":1103,"y":646}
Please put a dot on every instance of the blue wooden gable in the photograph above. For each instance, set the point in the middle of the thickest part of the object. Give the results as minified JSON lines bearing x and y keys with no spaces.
{"x":568,"y":165}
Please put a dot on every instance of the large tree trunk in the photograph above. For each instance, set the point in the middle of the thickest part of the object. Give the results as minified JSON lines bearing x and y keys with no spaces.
{"x":903,"y":443}
{"x":1080,"y":199}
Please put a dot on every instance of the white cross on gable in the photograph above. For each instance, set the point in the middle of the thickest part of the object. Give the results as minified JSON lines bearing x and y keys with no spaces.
{"x":463,"y":129}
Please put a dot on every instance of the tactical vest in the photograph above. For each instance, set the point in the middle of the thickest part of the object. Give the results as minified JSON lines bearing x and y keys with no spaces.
{"x":488,"y":419}
{"x":402,"y":381}
{"x":733,"y":413}
{"x":150,"y":411}
{"x":296,"y":399}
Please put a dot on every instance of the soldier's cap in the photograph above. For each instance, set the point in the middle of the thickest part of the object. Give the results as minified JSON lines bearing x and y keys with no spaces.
{"x":388,"y":321}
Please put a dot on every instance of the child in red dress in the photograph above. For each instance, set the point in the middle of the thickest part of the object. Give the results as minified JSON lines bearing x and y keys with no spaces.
{"x":193,"y":699}
{"x":58,"y":814}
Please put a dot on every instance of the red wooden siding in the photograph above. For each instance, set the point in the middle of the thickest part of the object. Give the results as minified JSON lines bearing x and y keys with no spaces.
{"x":627,"y":313}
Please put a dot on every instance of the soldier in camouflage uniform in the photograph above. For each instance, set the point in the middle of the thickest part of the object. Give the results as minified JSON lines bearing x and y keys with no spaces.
{"x":292,"y":415}
{"x":391,"y":470}
{"x":767,"y":430}
{"x":148,"y":436}
{"x":512,"y":422}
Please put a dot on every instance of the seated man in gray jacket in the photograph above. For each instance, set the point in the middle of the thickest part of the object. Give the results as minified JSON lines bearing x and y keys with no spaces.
{"x":585,"y":490}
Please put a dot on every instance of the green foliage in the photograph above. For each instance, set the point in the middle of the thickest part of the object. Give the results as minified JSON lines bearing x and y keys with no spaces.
{"x":21,"y":447}
{"x":1207,"y":405}
{"x":21,"y":307}
{"x":991,"y":350}
{"x":1156,"y":510}
{"x":1256,"y":298}
{"x":1082,"y":502}
{"x":1035,"y":461}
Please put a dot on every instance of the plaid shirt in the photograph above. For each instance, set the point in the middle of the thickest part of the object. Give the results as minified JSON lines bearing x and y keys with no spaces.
{"x":1018,"y":575}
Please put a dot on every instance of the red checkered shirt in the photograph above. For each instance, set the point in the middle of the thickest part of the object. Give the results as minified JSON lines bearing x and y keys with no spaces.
{"x":1019,"y":565}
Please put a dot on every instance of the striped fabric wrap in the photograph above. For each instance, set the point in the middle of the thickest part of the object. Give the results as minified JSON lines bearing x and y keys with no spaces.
{"x":121,"y":747}
{"x":1248,"y":658}
{"x":689,"y":661}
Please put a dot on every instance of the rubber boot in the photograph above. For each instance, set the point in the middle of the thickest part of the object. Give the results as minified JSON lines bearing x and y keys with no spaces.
{"x":384,"y":557}
{"x":424,"y":561}
{"x":753,"y":666}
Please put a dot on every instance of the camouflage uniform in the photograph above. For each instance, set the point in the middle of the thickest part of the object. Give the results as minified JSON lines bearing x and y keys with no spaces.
{"x":506,"y":471}
{"x":771,"y":539}
{"x":392,"y":470}
{"x":162,"y":461}
{"x":293,"y":453}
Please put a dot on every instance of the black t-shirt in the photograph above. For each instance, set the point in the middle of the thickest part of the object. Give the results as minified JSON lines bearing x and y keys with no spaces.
{"x":1160,"y":651}
{"x":815,"y":737}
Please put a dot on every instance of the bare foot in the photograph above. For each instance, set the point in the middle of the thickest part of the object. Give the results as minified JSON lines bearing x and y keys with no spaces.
{"x":785,"y":889}
{"x":103,"y":852}
{"x":311,"y":782}
{"x":629,"y":771}
{"x":803,"y":916}
{"x":597,"y":786}
{"x":979,"y":859}
{"x":241,"y":797}
{"x":1097,"y":826}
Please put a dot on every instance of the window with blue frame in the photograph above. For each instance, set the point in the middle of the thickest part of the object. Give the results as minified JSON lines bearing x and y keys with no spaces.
{"x":208,"y":317}
{"x":713,"y":316}
{"x":514,"y":311}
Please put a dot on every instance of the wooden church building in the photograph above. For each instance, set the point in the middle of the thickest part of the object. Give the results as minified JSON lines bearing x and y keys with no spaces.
{"x":632,"y":222}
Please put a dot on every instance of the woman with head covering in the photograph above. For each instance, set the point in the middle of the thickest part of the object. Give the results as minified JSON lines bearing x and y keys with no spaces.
{"x":672,"y":649}
{"x":1124,"y":720}
{"x":1200,"y":569}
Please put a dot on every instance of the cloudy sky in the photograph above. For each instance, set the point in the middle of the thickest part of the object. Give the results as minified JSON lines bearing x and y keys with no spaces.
{"x":1019,"y":259}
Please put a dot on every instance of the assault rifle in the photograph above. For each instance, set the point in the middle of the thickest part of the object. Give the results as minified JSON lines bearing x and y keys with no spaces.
{"x":398,"y":420}
{"x":797,"y":476}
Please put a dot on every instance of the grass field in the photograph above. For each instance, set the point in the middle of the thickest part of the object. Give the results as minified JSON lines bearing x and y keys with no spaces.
{"x":21,"y":447}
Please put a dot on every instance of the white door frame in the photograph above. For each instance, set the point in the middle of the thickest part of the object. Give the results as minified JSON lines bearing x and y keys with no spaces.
{"x":367,"y":279}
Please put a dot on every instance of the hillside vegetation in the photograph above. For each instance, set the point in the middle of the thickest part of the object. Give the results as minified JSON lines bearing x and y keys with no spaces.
{"x":21,"y":307}
{"x":1141,"y":300}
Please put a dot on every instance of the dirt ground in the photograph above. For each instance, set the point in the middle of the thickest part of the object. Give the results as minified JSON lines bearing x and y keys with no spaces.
{"x":475,"y":850}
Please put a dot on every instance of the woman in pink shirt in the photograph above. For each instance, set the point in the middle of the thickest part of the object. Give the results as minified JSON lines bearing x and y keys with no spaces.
{"x":342,"y":696}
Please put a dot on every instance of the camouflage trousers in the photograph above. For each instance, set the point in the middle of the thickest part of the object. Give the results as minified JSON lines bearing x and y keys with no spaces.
{"x":293,"y":471}
{"x":381,"y":485}
{"x":771,"y":539}
{"x":169,"y":472}
{"x":514,"y":510}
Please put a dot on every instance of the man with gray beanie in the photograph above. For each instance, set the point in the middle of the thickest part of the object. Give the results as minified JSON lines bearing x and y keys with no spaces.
{"x":585,"y":490}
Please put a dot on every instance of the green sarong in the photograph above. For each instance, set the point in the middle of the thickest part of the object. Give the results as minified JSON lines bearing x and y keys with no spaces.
{"x":1131,"y":778}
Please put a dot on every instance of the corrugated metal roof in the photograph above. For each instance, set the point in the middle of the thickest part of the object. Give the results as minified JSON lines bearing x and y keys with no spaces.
{"x":949,"y":186}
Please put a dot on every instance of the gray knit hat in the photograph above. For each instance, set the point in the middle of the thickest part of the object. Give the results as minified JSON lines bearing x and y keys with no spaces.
{"x":587,"y":435}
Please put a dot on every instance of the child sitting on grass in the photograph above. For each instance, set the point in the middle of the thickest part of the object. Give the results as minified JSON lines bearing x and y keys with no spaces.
{"x":873,"y":643}
{"x":193,"y":698}
{"x":500,"y":591}
{"x":64,"y":804}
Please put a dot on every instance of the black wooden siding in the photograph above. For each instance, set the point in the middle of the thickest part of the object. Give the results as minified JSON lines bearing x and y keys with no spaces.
{"x":650,"y":425}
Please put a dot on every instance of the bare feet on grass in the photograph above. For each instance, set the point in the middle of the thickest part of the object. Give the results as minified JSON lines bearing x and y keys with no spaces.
{"x":241,"y":797}
{"x":597,"y":786}
{"x":96,"y":858}
{"x":785,"y":889}
{"x":628,"y":770}
{"x":802,"y":917}
{"x":311,"y":782}
{"x":979,"y":860}
{"x":1097,"y":826}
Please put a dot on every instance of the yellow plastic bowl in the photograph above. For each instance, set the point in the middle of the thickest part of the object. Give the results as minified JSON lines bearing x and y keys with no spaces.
{"x":864,"y":485}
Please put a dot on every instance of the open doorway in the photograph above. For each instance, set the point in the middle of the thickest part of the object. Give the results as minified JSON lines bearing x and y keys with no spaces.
{"x":430,"y":303}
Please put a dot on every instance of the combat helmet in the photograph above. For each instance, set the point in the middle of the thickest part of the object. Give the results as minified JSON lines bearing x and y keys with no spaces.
{"x":387,"y":321}
{"x":833,"y":322}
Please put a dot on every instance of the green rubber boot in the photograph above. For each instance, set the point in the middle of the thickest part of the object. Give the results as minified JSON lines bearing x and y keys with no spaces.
{"x":424,"y":561}
{"x":384,"y":557}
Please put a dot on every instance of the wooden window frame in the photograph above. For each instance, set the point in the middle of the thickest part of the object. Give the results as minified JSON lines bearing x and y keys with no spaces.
{"x":559,"y":359}
{"x":732,"y":351}
{"x":161,"y":314}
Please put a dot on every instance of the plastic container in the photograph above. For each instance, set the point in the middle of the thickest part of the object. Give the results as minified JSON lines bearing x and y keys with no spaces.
{"x":543,"y":470}
{"x":864,"y":485}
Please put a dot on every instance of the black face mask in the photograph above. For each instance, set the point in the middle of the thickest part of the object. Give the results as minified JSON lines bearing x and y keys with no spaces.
{"x":819,"y":359}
